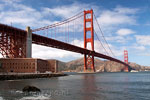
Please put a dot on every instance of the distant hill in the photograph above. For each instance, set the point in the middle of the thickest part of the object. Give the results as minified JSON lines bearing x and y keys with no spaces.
{"x":100,"y":65}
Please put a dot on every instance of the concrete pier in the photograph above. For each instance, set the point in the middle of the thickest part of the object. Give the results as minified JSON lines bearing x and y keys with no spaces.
{"x":29,"y":43}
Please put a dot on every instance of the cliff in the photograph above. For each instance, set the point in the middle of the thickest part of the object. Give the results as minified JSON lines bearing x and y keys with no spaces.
{"x":100,"y":65}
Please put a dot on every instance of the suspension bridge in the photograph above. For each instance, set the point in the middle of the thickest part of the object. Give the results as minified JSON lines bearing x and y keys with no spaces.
{"x":76,"y":34}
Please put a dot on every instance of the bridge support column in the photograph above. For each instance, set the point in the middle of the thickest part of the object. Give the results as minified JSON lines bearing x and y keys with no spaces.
{"x":29,"y":43}
{"x":88,"y":38}
{"x":126,"y":69}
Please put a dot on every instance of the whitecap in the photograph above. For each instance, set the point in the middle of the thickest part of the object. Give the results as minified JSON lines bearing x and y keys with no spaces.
{"x":39,"y":97}
{"x":19,"y":91}
{"x":1,"y":98}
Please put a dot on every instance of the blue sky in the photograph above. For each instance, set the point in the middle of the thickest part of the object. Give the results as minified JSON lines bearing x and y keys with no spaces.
{"x":125,"y":23}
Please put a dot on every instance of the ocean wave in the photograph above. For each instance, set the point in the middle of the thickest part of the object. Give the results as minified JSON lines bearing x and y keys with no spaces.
{"x":1,"y":98}
{"x":39,"y":97}
{"x":19,"y":91}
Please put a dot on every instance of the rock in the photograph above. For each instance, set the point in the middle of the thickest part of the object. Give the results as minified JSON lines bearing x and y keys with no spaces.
{"x":31,"y":89}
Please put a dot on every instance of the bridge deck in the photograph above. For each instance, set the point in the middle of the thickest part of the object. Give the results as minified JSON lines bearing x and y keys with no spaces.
{"x":41,"y":40}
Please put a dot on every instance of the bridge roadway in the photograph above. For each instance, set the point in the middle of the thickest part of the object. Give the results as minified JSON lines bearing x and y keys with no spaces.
{"x":45,"y":41}
{"x":41,"y":40}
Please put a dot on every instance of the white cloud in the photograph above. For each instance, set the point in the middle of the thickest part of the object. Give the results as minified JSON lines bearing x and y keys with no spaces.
{"x":118,"y":51}
{"x":10,"y":1}
{"x":1,"y":55}
{"x":1,"y":7}
{"x":117,"y":16}
{"x":43,"y":52}
{"x":112,"y":20}
{"x":144,"y":53}
{"x":125,"y":31}
{"x":138,"y":47}
{"x":49,"y":53}
{"x":124,"y":10}
{"x":39,"y":51}
{"x":22,"y":15}
{"x":69,"y":10}
{"x":118,"y":39}
{"x":147,"y":23}
{"x":143,"y":39}
{"x":97,"y":46}
{"x":63,"y":11}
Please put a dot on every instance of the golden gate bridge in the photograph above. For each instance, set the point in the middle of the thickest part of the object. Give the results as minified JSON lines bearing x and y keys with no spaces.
{"x":77,"y":34}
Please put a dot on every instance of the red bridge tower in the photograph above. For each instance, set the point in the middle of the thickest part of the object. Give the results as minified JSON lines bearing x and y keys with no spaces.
{"x":126,"y":69}
{"x":88,"y":30}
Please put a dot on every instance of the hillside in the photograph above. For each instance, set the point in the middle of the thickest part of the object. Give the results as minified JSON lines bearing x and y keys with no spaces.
{"x":100,"y":65}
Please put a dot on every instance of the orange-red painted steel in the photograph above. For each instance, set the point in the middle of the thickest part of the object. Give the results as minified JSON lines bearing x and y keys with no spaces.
{"x":126,"y":60}
{"x":12,"y":42}
{"x":45,"y":41}
{"x":88,"y":58}
{"x":41,"y":40}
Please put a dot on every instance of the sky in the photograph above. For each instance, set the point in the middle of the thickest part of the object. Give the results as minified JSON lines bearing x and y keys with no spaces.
{"x":125,"y":24}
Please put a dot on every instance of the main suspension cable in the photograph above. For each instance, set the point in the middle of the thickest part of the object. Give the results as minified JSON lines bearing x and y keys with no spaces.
{"x":101,"y":42}
{"x":60,"y":23}
{"x":103,"y":34}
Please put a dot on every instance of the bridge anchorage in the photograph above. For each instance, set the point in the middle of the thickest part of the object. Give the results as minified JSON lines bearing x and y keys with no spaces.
{"x":17,"y":43}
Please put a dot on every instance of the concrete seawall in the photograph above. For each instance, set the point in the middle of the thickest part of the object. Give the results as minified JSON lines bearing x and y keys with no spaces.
{"x":29,"y":76}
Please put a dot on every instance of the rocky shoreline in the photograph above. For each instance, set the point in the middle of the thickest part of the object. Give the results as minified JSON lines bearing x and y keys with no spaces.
{"x":29,"y":76}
